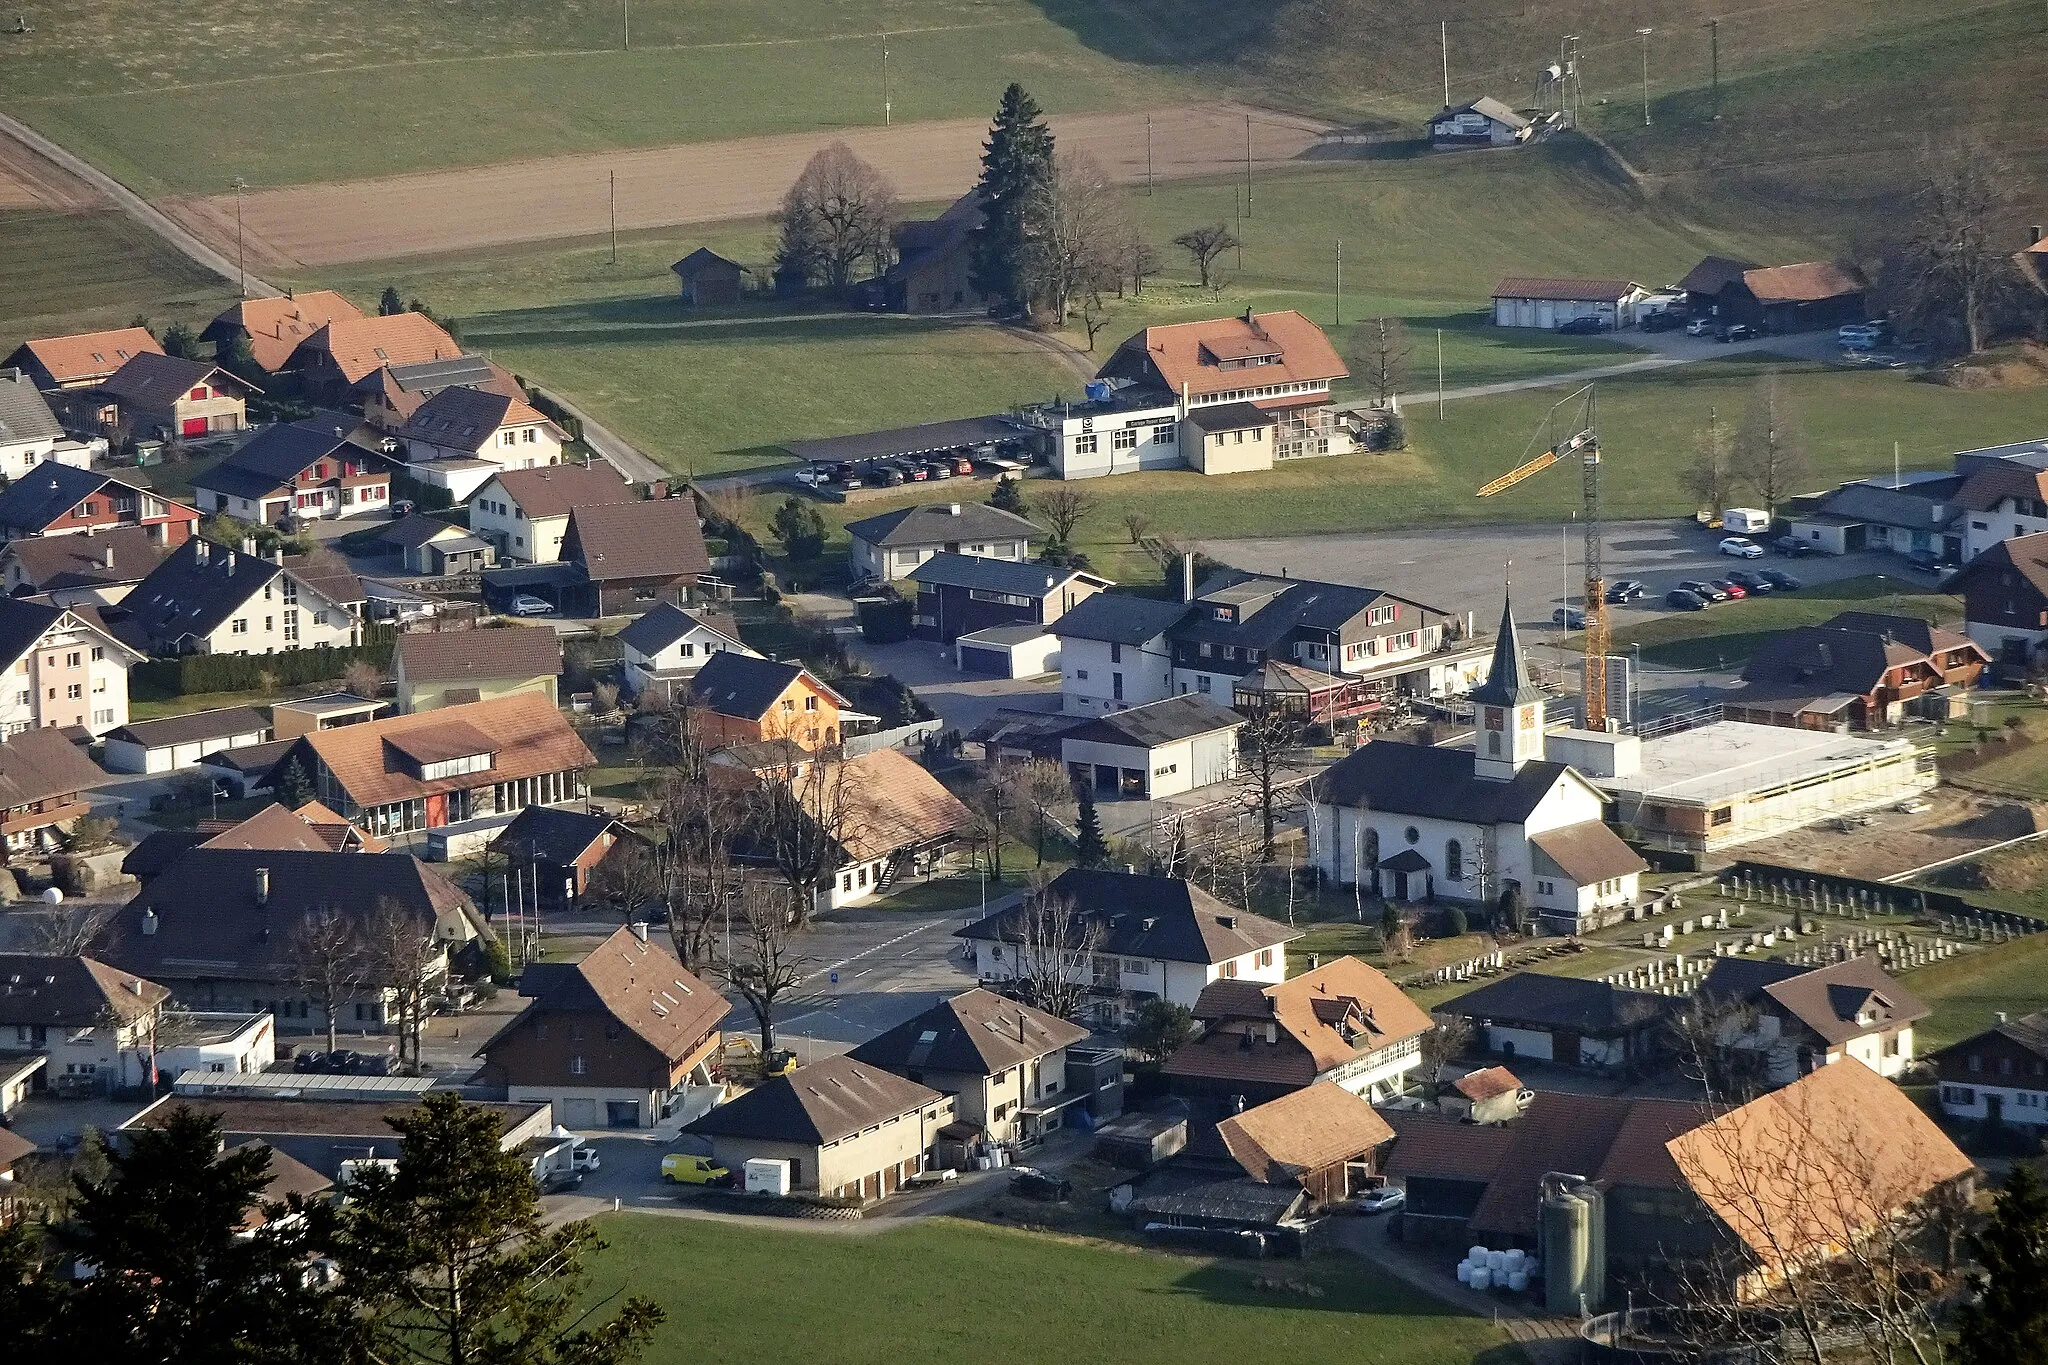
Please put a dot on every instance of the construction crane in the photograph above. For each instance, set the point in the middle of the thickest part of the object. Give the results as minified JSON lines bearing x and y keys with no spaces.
{"x":1569,"y":429}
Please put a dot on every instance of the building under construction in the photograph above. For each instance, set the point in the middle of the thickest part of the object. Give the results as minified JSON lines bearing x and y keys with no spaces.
{"x":1727,"y":782}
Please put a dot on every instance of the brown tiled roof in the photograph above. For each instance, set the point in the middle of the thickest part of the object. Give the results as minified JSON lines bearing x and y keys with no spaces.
{"x":337,"y":833}
{"x":2025,"y":555}
{"x":51,"y":563}
{"x":91,"y":355}
{"x":641,"y":984}
{"x":13,"y":1147}
{"x":975,"y":1032}
{"x":1984,"y":490}
{"x":1431,"y":1145}
{"x":1567,"y":291}
{"x":1312,"y":1015}
{"x":71,"y":992}
{"x":157,"y":381}
{"x":479,"y":655}
{"x":1588,"y":852}
{"x":1479,"y":1086}
{"x":361,"y":345}
{"x":272,"y":827}
{"x":466,"y":419}
{"x":1560,"y":1132}
{"x":1305,"y":1131}
{"x":1806,"y":282}
{"x":527,"y":736}
{"x":1187,"y":352}
{"x":655,"y":539}
{"x":896,"y":804}
{"x":277,"y":326}
{"x":1829,"y":999}
{"x":1805,"y":1168}
{"x":830,"y":1099}
{"x":287,"y":1177}
{"x":557,"y":490}
{"x":37,"y":764}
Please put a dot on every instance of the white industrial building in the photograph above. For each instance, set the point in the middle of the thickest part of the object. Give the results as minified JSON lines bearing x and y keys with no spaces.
{"x":1157,"y":750}
{"x":1548,"y":304}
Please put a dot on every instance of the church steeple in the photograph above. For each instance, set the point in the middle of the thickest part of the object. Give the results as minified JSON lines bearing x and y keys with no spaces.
{"x":1508,"y":708}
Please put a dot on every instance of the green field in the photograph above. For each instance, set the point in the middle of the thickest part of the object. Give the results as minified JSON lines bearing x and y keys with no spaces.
{"x":1724,"y":636}
{"x":1968,"y":992}
{"x":71,"y":272}
{"x":939,"y":1291}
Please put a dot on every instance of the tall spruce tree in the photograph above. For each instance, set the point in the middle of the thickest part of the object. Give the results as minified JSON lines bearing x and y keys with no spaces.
{"x":2008,"y":1325}
{"x":1090,"y":848}
{"x":1016,"y":166}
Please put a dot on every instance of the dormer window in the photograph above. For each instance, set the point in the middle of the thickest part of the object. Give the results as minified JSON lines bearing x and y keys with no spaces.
{"x":1219,"y":613}
{"x":455,"y":767}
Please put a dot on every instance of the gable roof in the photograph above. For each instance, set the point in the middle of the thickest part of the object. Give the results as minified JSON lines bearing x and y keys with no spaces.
{"x":54,"y":563}
{"x":976,"y":1033}
{"x":1587,"y":853}
{"x":1266,"y":613}
{"x":637,"y":981}
{"x":199,"y":585}
{"x":1187,"y":353}
{"x":221,"y":722}
{"x":1819,"y":659}
{"x":658,"y":538}
{"x":48,"y":491}
{"x":832,"y":1098}
{"x":744,"y":686}
{"x":698,"y":260}
{"x":361,"y":345}
{"x":71,"y":992}
{"x":461,"y":418}
{"x":921,"y":241}
{"x":1564,"y":290}
{"x":88,"y":355}
{"x":1492,"y":108}
{"x":1118,"y":618}
{"x":1607,"y":1139}
{"x":1436,"y":1147}
{"x":1827,"y":1000}
{"x":23,"y":622}
{"x":1806,"y":282}
{"x":558,"y":489}
{"x":1922,"y":503}
{"x":2003,"y":479}
{"x":1167,"y":918}
{"x":1913,"y":631}
{"x":1022,"y":579}
{"x":2029,"y":1032}
{"x":2026,"y":556}
{"x":556,"y":834}
{"x":276,"y":456}
{"x":37,"y":764}
{"x":1441,"y":784}
{"x":275,"y":826}
{"x":524,"y":733}
{"x":1336,"y":1012}
{"x":479,"y":655}
{"x":942,"y":523}
{"x":1302,"y":1132}
{"x":157,"y":381}
{"x":1561,"y":1002}
{"x":1714,"y":273}
{"x":276,"y":326}
{"x":665,"y":623}
{"x":1480,"y":1086}
{"x":898,"y":804}
{"x":1159,"y":722}
{"x":24,"y":413}
{"x":404,"y":388}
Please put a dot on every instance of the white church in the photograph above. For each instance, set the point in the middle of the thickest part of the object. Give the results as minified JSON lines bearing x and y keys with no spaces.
{"x":1413,"y":822}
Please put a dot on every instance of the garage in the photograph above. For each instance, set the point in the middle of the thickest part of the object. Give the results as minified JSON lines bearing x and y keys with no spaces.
{"x":1157,"y":750}
{"x":1547,"y":304}
{"x":177,"y":742}
{"x":1022,"y":650}
{"x":579,"y":1115}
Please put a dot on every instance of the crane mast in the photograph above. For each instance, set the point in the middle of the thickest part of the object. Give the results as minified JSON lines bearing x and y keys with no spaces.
{"x":1571,"y":428}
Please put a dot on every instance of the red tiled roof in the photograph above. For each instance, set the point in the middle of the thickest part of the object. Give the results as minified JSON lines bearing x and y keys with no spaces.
{"x":1187,"y":353}
{"x":359,"y":346}
{"x":91,"y":355}
{"x":277,"y":326}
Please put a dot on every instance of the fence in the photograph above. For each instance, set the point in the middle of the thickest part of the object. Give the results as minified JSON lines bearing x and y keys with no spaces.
{"x":901,"y":737}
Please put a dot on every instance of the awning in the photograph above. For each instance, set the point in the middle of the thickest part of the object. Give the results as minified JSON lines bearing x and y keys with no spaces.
{"x":1407,"y":860}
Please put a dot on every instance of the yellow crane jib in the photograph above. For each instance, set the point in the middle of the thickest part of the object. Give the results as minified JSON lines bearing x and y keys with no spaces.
{"x":1515,"y":476}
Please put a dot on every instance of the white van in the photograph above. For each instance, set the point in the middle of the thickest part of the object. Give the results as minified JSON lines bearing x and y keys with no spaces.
{"x":1745,"y":521}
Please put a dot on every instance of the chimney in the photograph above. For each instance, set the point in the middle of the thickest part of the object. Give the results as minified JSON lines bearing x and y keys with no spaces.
{"x":1237,"y":1104}
{"x":2001,"y":1015}
{"x":1272,"y":1032}
{"x":640,"y":930}
{"x":107,"y":558}
{"x":148,"y":921}
{"x":2038,"y":232}
{"x":135,"y":986}
{"x":1187,"y":576}
{"x":1313,"y":960}
{"x":200,"y":551}
{"x":231,"y":563}
{"x":277,"y":555}
{"x":249,"y":546}
{"x":263,"y":886}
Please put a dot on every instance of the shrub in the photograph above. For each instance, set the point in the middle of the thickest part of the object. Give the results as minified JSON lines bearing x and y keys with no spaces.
{"x":886,"y":622}
{"x":192,"y":673}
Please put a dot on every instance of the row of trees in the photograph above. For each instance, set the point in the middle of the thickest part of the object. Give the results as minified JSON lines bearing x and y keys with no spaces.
{"x":1766,"y":453}
{"x":444,"y":1261}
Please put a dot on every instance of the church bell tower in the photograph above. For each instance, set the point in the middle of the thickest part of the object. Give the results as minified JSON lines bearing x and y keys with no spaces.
{"x":1507,"y":708}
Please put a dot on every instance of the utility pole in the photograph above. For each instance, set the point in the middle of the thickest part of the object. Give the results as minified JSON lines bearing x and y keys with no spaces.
{"x":1240,"y":231}
{"x":1443,"y":38}
{"x":1714,"y":43}
{"x":241,"y":268}
{"x":1439,"y":374}
{"x":1340,"y":281}
{"x":888,"y":112}
{"x":1247,"y":163}
{"x":1644,"y":34}
{"x":627,"y":32}
{"x":615,"y":217}
{"x":1148,"y":154}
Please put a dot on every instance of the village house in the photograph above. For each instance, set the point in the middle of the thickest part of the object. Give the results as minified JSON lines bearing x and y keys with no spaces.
{"x":62,"y":669}
{"x":1485,"y":122}
{"x":391,"y":394}
{"x":346,"y":351}
{"x":1797,"y":1018}
{"x":58,"y":499}
{"x":890,"y":545}
{"x":1322,"y":1138}
{"x":311,"y":828}
{"x":1999,"y":1075}
{"x":161,"y":397}
{"x":81,"y":360}
{"x":1565,"y":1019}
{"x":1548,"y":304}
{"x":959,"y":594}
{"x":95,"y":569}
{"x":1154,"y":751}
{"x":934,"y":267}
{"x":1776,"y":299}
{"x":668,"y":646}
{"x":1858,"y":670}
{"x":617,"y":1040}
{"x":42,"y":774}
{"x":1914,"y":514}
{"x":215,"y":926}
{"x":847,"y":1130}
{"x":432,"y":548}
{"x":707,"y":279}
{"x":1003,"y":1063}
{"x":214,"y":599}
{"x":89,"y":1025}
{"x":1492,"y":1094}
{"x":296,"y":471}
{"x":30,"y":432}
{"x":561,"y":850}
{"x":1343,"y":1023}
{"x":2006,"y":500}
{"x":275,"y":327}
{"x":899,"y":822}
{"x":616,"y":559}
{"x":434,"y":768}
{"x":448,"y":668}
{"x":2005,"y":599}
{"x":746,"y":699}
{"x":525,"y":512}
{"x":461,"y":436}
{"x":1419,"y":822}
{"x":1151,"y":938}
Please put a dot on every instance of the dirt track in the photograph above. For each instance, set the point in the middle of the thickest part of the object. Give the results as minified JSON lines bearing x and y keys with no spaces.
{"x":696,"y":183}
{"x":28,"y":180}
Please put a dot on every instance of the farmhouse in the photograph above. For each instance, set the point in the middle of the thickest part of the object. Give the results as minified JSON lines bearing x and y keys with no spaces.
{"x":707,"y":279}
{"x":81,"y":360}
{"x":1776,"y":299}
{"x":2005,"y":599}
{"x":460,"y":437}
{"x":57,"y":499}
{"x":64,"y":669}
{"x":41,"y":775}
{"x":275,"y":327}
{"x":1520,"y":301}
{"x":298,"y":470}
{"x":934,"y":269}
{"x":94,"y":569}
{"x":668,"y":645}
{"x":1485,"y":122}
{"x":1156,"y":750}
{"x":1003,"y":1063}
{"x":211,"y":599}
{"x":164,"y":397}
{"x":449,"y":668}
{"x":889,"y":546}
{"x":958,"y":594}
{"x":1805,"y":1017}
{"x":346,"y":351}
{"x":1858,"y":670}
{"x":29,"y":431}
{"x":1999,"y":1075}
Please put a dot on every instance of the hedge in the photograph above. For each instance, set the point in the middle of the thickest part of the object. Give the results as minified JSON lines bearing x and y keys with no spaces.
{"x":195,"y":673}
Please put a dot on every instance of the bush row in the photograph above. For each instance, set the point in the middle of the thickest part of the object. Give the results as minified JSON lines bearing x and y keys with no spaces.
{"x":195,"y":673}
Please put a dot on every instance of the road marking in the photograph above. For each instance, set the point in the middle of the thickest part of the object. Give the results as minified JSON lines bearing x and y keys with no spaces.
{"x":873,"y":949}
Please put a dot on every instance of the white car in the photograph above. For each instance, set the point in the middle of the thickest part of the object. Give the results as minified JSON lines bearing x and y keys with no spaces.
{"x":583,"y":1157}
{"x":1385,"y":1199}
{"x":1741,"y":547}
{"x":523,"y":605}
{"x":1914,"y":806}
{"x":1699,"y":327}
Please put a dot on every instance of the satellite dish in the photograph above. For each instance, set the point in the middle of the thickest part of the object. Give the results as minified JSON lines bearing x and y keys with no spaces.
{"x":53,"y":896}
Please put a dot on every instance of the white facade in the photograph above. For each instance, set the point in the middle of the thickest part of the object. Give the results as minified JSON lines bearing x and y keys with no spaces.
{"x":1888,"y":1053}
{"x":220,"y":1044}
{"x":1170,"y":769}
{"x":497,"y":517}
{"x":127,"y":756}
{"x":1180,"y":983}
{"x":20,"y":457}
{"x":1097,"y":440}
{"x":2011,"y":517}
{"x":890,"y":563}
{"x":1550,"y":314}
{"x":1097,"y":676}
{"x":676,"y":660}
{"x":73,"y":675}
{"x":284,"y":615}
{"x":1027,"y":658}
{"x":515,"y":445}
{"x":2017,"y":1104}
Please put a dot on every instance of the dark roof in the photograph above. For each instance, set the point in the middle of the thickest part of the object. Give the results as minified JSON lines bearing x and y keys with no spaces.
{"x":478,"y":655}
{"x":209,"y":925}
{"x":1269,"y":612}
{"x":1827,"y":999}
{"x":2025,"y":555}
{"x":24,"y":413}
{"x":251,"y":760}
{"x":553,"y":834}
{"x":194,"y":726}
{"x":665,"y":623}
{"x":1564,"y":290}
{"x":47,"y":492}
{"x":1606,"y":1139}
{"x":556,"y":490}
{"x":1507,"y":681}
{"x":1420,"y":779}
{"x":157,"y":381}
{"x":2029,"y":1031}
{"x":440,"y":374}
{"x":201,"y":584}
{"x":923,"y":240}
{"x":1119,"y":618}
{"x":461,"y":418}
{"x":22,"y":623}
{"x":1817,"y":659}
{"x":158,"y":850}
{"x":976,"y":1032}
{"x":927,"y":439}
{"x":1925,"y":505}
{"x":1157,"y":917}
{"x":1714,"y":273}
{"x":828,"y":1100}
{"x":1919,"y":634}
{"x":1231,"y":417}
{"x":741,"y":685}
{"x":275,"y":457}
{"x":654,"y":539}
{"x":416,"y":529}
{"x":1023,"y":579}
{"x":698,"y":260}
{"x":70,"y":992}
{"x":943,"y":523}
{"x":36,"y":764}
{"x":1189,"y":1192}
{"x":1561,"y":1002}
{"x":1439,"y":1148}
{"x":1492,"y":108}
{"x":1159,"y":722}
{"x":53,"y":563}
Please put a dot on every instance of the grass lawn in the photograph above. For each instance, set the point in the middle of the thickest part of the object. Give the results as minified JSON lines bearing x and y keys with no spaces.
{"x":941,"y":1289}
{"x":1968,"y":991}
{"x":1727,"y":634}
{"x":71,"y":272}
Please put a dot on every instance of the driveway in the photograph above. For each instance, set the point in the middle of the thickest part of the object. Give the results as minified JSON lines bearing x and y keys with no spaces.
{"x":963,"y":700}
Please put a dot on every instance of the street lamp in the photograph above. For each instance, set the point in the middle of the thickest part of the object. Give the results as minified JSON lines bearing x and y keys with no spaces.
{"x":1644,"y":34}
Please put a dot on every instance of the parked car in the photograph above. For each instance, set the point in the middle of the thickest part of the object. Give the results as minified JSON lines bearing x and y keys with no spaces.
{"x":402,"y":508}
{"x":1699,"y":327}
{"x":1385,"y":1199}
{"x":889,"y":476}
{"x":1585,"y":326}
{"x":1792,"y":547}
{"x":963,"y":464}
{"x":1753,"y":583}
{"x":1780,"y":580}
{"x":560,"y":1181}
{"x":583,"y":1157}
{"x":850,"y":478}
{"x":1628,"y":589}
{"x":1571,"y":618}
{"x":685,"y":1168}
{"x":1030,"y":1183}
{"x":1737,"y":331}
{"x":1862,"y":336}
{"x":1742,"y":547}
{"x":1662,"y":321}
{"x":1728,"y":587}
{"x":527,"y":605}
{"x":1679,"y":599}
{"x":938,"y":469}
{"x":1924,"y":561}
{"x":1706,"y":592}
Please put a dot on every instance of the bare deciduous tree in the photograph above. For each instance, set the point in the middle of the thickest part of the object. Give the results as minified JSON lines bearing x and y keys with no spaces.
{"x":404,"y":960}
{"x":1137,"y":525}
{"x":1064,"y":508}
{"x":1263,"y":745}
{"x":71,"y":928}
{"x":1709,"y":1037}
{"x":763,"y":964}
{"x":696,"y":822}
{"x":1204,"y":245}
{"x":1046,"y":785}
{"x":1956,"y":267}
{"x":1077,"y":250}
{"x":835,"y":217}
{"x":1770,"y":450}
{"x":364,"y":679}
{"x":802,"y":816}
{"x":1055,"y":948}
{"x":1450,"y":1038}
{"x":1710,"y":478}
{"x":1379,"y":357}
{"x":1140,"y":260}
{"x":327,"y":959}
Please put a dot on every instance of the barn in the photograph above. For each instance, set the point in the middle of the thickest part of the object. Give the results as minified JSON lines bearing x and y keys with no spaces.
{"x":1545,"y":304}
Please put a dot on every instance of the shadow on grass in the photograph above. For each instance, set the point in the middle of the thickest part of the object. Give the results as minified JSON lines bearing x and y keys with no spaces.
{"x":1331,"y":1284}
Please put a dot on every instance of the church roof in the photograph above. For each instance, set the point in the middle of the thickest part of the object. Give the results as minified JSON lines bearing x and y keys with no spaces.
{"x":1507,"y":682}
{"x":1440,"y":784}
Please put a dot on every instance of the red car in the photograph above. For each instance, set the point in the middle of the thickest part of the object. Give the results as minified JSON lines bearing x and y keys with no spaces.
{"x":1733,"y":589}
